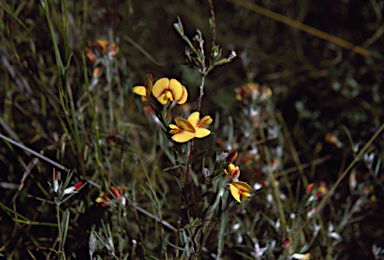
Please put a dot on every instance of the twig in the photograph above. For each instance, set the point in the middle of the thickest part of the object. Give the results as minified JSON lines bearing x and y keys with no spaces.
{"x":25,"y":176}
{"x":42,"y":157}
{"x":213,"y":23}
{"x":201,"y":93}
{"x":163,"y":222}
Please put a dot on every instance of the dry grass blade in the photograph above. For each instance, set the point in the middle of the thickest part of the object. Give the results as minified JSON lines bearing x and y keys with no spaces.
{"x":308,"y":29}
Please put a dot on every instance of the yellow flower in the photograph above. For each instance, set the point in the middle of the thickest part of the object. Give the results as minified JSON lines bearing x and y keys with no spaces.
{"x":199,"y":125}
{"x":234,"y":172}
{"x":169,"y":89}
{"x":144,"y":91}
{"x":183,"y":131}
{"x":240,"y":190}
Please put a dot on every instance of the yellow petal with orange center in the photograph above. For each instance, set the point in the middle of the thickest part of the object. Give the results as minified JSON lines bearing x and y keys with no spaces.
{"x":163,"y":99}
{"x":174,"y":129}
{"x":159,"y":87}
{"x":184,"y":96}
{"x":233,"y":171}
{"x":185,"y":125}
{"x":184,"y":131}
{"x":140,"y":90}
{"x":176,"y":88}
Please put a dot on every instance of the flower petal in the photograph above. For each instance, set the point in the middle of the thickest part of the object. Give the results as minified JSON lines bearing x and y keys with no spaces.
{"x":160,"y":87}
{"x":243,"y":186}
{"x":163,"y":99}
{"x":176,"y":88}
{"x":183,"y":136}
{"x":301,"y":256}
{"x":194,"y":118}
{"x":245,"y":195}
{"x":207,"y":120}
{"x":149,"y":84}
{"x":232,"y":157}
{"x":140,"y":90}
{"x":235,"y":192}
{"x":78,"y":185}
{"x":174,"y":129}
{"x":234,"y":172}
{"x":185,"y":125}
{"x":184,"y":96}
{"x":115,"y":192}
{"x":73,"y":189}
{"x":240,"y":188}
{"x":202,"y":132}
{"x":101,"y":45}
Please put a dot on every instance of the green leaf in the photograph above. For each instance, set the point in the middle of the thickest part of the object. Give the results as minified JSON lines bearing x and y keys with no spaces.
{"x":174,"y":167}
{"x":65,"y":224}
{"x":181,"y":188}
{"x":180,"y":248}
{"x":220,"y":210}
{"x":197,"y":156}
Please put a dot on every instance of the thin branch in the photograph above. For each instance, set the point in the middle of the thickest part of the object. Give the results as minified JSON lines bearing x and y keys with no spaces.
{"x":213,"y":23}
{"x":42,"y":157}
{"x":163,"y":222}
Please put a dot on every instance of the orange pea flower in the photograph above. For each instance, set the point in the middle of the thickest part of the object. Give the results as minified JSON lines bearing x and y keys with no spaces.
{"x":183,"y":131}
{"x":240,"y":190}
{"x":166,"y":89}
{"x":199,"y":125}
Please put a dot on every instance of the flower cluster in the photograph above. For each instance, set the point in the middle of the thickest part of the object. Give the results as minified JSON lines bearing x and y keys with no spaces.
{"x":239,"y":190}
{"x":165,"y":90}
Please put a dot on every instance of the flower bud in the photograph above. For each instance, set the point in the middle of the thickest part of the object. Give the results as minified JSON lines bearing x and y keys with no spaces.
{"x":232,"y":157}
